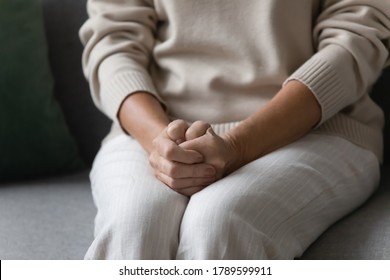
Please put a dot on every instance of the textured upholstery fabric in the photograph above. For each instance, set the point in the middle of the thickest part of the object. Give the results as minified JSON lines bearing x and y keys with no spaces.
{"x":53,"y":218}
{"x":364,"y":234}
{"x":46,"y":219}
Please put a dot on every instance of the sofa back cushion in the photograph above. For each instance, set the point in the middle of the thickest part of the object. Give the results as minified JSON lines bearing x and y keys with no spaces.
{"x":34,"y":138}
{"x":381,"y":95}
{"x":63,"y":19}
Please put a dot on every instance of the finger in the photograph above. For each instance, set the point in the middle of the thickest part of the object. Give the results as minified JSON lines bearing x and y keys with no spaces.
{"x":196,"y":144}
{"x":153,"y":160}
{"x":190,"y":191}
{"x":201,"y":142}
{"x":183,"y":183}
{"x":178,"y":170}
{"x":196,"y":130}
{"x":177,"y":130}
{"x":171,"y":151}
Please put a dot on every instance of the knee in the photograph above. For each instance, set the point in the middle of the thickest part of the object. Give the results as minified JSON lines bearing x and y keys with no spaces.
{"x":209,"y":229}
{"x":227,"y":227}
{"x":203,"y":213}
{"x":142,"y":213}
{"x":138,"y":229}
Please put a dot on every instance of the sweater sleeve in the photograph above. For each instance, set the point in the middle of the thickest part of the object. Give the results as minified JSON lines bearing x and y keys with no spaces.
{"x":118,"y":39}
{"x":352,"y":42}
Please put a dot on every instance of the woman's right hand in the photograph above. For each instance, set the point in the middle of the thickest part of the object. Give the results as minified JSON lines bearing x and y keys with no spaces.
{"x":182,"y":170}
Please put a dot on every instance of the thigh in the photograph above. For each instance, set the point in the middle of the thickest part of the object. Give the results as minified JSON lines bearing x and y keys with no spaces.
{"x":122,"y":178}
{"x":277,"y":205}
{"x":135,"y":212}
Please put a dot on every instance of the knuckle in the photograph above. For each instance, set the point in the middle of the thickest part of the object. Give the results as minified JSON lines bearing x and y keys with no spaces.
{"x":176,"y":124}
{"x":181,"y":123}
{"x":155,"y":142}
{"x":198,"y":122}
{"x":174,"y":184}
{"x":170,"y":182}
{"x":168,"y":151}
{"x":173,"y":170}
{"x":197,"y":129}
{"x":177,"y":129}
{"x":152,"y":162}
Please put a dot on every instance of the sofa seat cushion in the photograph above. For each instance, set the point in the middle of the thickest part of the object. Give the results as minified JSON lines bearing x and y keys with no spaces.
{"x":53,"y":219}
{"x":46,"y":219}
{"x":362,"y":235}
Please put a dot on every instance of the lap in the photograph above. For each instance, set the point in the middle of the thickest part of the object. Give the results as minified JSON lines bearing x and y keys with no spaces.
{"x":318,"y":163}
{"x":294,"y":192}
{"x":315,"y":165}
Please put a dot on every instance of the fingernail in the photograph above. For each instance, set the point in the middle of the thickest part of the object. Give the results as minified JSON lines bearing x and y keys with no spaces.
{"x":211,"y":131}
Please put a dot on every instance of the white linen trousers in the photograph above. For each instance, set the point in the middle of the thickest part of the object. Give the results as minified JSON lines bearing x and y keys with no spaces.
{"x":272,"y":208}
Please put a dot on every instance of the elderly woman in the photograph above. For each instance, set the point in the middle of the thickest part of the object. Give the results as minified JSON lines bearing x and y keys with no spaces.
{"x":241,"y":129}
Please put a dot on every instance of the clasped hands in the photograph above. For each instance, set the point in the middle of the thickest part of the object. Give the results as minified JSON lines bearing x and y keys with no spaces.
{"x":188,"y":158}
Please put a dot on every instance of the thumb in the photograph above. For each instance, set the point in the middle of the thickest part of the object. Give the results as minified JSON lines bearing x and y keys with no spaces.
{"x":211,"y":131}
{"x":198,"y":143}
{"x":176,"y":131}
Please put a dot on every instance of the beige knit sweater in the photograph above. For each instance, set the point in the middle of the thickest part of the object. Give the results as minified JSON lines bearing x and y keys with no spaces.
{"x":220,"y":60}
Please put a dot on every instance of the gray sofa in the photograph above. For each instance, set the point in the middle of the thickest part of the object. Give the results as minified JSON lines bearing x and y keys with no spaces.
{"x":52,"y":218}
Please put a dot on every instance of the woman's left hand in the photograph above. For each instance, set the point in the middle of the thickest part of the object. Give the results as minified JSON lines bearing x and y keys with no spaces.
{"x":218,"y":151}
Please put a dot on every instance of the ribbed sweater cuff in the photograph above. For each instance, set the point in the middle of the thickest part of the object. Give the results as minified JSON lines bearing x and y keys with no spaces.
{"x":121,"y":86}
{"x":361,"y":134}
{"x":323,"y":79}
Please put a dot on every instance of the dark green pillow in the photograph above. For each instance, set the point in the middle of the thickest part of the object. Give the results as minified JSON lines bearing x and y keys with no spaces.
{"x":34,"y":138}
